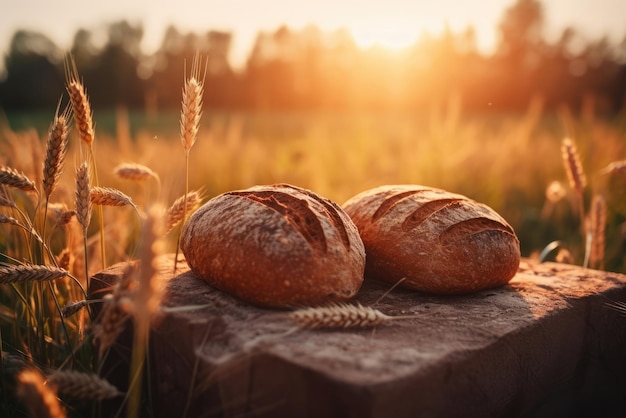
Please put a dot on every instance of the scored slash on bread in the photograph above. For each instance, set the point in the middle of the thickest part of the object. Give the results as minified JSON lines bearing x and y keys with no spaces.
{"x":442,"y":242}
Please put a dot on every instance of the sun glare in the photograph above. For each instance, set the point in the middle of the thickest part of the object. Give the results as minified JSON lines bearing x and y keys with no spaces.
{"x":389,"y":38}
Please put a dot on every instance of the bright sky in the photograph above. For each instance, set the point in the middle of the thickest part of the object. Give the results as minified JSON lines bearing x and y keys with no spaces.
{"x":388,"y":22}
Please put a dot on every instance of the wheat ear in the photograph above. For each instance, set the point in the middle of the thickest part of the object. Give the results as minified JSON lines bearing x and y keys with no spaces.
{"x":83,"y":200}
{"x":12,"y":178}
{"x":191,"y":112}
{"x":341,"y":316}
{"x":176,"y":212}
{"x":134,"y":172}
{"x":137,"y":172}
{"x":83,"y":118}
{"x":83,"y":209}
{"x":597,"y":227}
{"x":56,"y":148}
{"x":24,"y":273}
{"x":106,"y":196}
{"x":578,"y":182}
{"x":37,"y":397}
{"x":573,"y":167}
{"x":82,"y":386}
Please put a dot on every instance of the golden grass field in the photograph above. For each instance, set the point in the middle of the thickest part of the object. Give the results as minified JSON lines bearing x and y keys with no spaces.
{"x":507,"y":161}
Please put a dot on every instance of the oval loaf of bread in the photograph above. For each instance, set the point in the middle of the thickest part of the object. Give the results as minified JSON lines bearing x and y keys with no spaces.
{"x":440,"y":242}
{"x":276,"y":246}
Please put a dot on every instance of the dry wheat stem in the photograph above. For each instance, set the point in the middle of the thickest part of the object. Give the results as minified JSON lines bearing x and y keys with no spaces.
{"x":176,"y":212}
{"x":22,"y":273}
{"x":340,"y":316}
{"x":56,"y":149}
{"x":106,"y":196}
{"x":597,"y":227}
{"x":82,"y":386}
{"x":37,"y":397}
{"x":148,"y":295}
{"x":146,"y":301}
{"x":12,"y":178}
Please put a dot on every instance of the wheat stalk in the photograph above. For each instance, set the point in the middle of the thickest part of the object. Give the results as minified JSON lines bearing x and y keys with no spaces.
{"x":12,"y":178}
{"x":578,"y":182}
{"x":146,"y":300}
{"x":83,"y":119}
{"x":597,"y":226}
{"x":573,"y":167}
{"x":37,"y":397}
{"x":23,"y":272}
{"x":106,"y":196}
{"x":82,"y":386}
{"x":56,"y":148}
{"x":341,"y":316}
{"x":189,"y":123}
{"x":176,"y":212}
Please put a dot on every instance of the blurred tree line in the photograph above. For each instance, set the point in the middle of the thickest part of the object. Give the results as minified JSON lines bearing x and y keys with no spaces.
{"x":311,"y":69}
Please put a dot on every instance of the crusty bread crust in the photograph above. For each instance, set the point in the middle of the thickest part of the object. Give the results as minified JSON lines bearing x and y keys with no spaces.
{"x":440,"y":242}
{"x":276,"y":246}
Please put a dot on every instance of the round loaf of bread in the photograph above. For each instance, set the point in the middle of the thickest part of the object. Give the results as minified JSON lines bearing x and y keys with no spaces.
{"x":440,"y":242}
{"x":276,"y":246}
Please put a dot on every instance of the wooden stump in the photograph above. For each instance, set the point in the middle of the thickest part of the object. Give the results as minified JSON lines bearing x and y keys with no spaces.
{"x":547,"y":345}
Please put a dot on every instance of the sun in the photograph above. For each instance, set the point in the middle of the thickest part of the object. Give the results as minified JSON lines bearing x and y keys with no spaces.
{"x":393,"y":38}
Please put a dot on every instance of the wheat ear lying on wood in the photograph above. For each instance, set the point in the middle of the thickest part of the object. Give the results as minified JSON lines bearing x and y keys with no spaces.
{"x":12,"y":178}
{"x":82,"y":386}
{"x":38,"y":398}
{"x":56,"y":148}
{"x":341,"y":316}
{"x":23,"y":273}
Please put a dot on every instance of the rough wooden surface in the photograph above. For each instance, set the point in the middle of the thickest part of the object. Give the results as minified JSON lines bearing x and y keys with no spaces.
{"x":545,"y":345}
